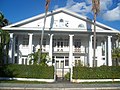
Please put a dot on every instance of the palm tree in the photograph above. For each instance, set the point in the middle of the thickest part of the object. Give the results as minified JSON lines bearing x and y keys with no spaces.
{"x":3,"y":21}
{"x":116,"y":51}
{"x":95,"y":9}
{"x":34,"y":58}
{"x":116,"y":56}
{"x":42,"y":35}
{"x":118,"y":39}
{"x":4,"y":39}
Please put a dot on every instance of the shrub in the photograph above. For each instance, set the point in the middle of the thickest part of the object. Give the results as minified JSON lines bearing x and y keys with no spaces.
{"x":103,"y":72}
{"x":27,"y":71}
{"x":67,"y":76}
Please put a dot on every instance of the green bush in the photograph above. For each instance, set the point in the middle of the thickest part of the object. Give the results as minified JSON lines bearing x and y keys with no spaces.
{"x":27,"y":71}
{"x":67,"y":76}
{"x":103,"y":72}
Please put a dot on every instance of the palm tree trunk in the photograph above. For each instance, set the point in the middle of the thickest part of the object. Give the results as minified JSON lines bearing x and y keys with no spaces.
{"x":42,"y":36}
{"x":94,"y":49}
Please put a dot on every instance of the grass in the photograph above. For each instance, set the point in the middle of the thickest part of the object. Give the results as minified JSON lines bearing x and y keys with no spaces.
{"x":22,"y":82}
{"x":115,"y":82}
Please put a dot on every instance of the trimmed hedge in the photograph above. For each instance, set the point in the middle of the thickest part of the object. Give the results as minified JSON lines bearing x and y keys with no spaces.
{"x":27,"y":71}
{"x":103,"y":72}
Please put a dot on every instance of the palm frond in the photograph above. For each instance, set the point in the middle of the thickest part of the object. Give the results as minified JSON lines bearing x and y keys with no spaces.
{"x":96,"y":6}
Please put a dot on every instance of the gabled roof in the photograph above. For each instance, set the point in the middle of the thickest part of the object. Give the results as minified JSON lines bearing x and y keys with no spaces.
{"x":48,"y":14}
{"x":26,"y":21}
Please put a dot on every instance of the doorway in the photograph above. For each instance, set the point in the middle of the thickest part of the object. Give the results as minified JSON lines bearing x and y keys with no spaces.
{"x":61,"y":69}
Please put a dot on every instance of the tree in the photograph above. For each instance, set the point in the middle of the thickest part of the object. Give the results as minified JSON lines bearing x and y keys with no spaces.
{"x":42,"y":35}
{"x":116,"y":56}
{"x":116,"y":51}
{"x":118,"y":39}
{"x":95,"y":9}
{"x":4,"y":39}
{"x":3,"y":21}
{"x":34,"y":58}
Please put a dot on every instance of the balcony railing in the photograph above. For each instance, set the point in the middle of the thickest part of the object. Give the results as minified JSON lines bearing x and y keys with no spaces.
{"x":77,"y":50}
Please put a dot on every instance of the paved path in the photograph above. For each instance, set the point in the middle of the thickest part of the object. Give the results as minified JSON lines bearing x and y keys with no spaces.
{"x":58,"y":86}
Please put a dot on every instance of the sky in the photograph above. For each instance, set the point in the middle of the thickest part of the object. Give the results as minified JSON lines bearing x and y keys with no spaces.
{"x":17,"y":10}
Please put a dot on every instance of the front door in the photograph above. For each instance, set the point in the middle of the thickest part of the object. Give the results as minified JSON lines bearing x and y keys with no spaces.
{"x":60,"y":68}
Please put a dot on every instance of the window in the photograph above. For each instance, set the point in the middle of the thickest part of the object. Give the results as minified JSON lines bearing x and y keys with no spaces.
{"x":53,"y":59}
{"x":22,"y":60}
{"x":54,"y":42}
{"x":16,"y":44}
{"x":103,"y":48}
{"x":26,"y":61}
{"x":78,"y":61}
{"x":58,"y":44}
{"x":77,"y":43}
{"x":66,"y":43}
{"x":80,"y":26}
{"x":61,"y":20}
{"x":44,"y":42}
{"x":66,"y":62}
{"x":25,"y":41}
{"x":16,"y":59}
{"x":57,"y":64}
{"x":61,"y":44}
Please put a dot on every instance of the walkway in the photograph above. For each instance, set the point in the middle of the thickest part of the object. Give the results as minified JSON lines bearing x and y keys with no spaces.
{"x":58,"y":86}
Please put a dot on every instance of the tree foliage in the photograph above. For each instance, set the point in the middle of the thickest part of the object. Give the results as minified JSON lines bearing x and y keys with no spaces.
{"x":116,"y":56}
{"x":35,"y":56}
{"x":4,"y":39}
{"x":3,"y":20}
{"x":116,"y":51}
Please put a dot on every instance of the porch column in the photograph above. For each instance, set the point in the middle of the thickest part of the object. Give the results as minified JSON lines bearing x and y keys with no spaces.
{"x":70,"y":54}
{"x":109,"y":51}
{"x":14,"y":39}
{"x":30,"y":42}
{"x":105,"y":52}
{"x":50,"y":48}
{"x":90,"y":52}
{"x":11,"y":49}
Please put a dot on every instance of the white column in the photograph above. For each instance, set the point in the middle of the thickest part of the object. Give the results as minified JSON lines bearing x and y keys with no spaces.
{"x":14,"y":48}
{"x":70,"y":49}
{"x":109,"y":51}
{"x":30,"y":42}
{"x":50,"y":48}
{"x":70,"y":54}
{"x":105,"y":52}
{"x":90,"y":52}
{"x":117,"y":43}
{"x":11,"y":49}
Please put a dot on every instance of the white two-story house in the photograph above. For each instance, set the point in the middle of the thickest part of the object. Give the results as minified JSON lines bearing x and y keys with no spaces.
{"x":68,"y":39}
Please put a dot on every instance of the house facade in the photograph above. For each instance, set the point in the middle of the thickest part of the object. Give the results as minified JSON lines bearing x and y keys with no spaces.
{"x":68,"y":39}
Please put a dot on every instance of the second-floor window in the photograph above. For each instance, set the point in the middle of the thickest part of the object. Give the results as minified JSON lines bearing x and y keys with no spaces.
{"x":25,"y":41}
{"x":77,"y":43}
{"x":103,"y":48}
{"x":60,"y":42}
{"x":44,"y":42}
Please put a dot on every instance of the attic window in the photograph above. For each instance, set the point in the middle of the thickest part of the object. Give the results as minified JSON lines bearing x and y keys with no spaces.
{"x":80,"y":26}
{"x":61,"y":20}
{"x":61,"y":23}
